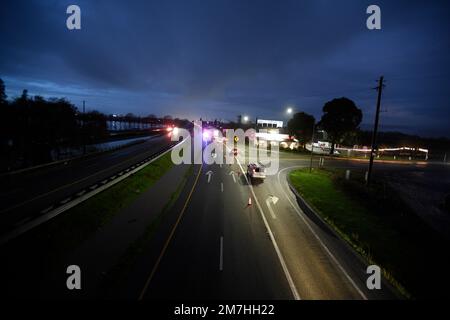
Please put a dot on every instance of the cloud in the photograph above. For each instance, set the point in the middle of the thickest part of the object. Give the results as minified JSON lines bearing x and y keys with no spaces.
{"x":225,"y":57}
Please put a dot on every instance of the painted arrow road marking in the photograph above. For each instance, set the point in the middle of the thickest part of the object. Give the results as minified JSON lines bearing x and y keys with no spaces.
{"x":274,"y":200}
{"x":232,"y":174}
{"x":209,"y":174}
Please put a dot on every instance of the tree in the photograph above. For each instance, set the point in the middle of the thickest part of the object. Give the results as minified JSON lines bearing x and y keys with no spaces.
{"x":5,"y":129}
{"x":24,"y":95}
{"x":167,"y":120}
{"x":340,"y":117}
{"x":301,"y":127}
{"x":94,"y":126}
{"x":2,"y":93}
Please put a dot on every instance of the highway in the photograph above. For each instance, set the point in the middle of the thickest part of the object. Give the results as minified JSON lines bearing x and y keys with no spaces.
{"x":225,"y":237}
{"x":26,"y":195}
{"x":221,"y":248}
{"x":224,"y":248}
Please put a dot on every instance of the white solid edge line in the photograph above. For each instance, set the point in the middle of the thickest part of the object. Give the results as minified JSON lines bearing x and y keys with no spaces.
{"x":58,"y":210}
{"x":275,"y":245}
{"x":318,"y":238}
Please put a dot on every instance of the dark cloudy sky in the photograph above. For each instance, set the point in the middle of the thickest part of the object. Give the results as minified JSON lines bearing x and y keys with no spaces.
{"x":218,"y":59}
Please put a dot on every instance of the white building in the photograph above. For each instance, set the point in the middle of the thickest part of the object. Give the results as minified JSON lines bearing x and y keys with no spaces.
{"x":261,"y":123}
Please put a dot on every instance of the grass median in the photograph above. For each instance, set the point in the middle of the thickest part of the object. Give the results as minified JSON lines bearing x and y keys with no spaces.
{"x":379,"y":226}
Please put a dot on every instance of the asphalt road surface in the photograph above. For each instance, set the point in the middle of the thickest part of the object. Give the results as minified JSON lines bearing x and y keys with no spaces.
{"x":225,"y":247}
{"x":28,"y":194}
{"x":234,"y":239}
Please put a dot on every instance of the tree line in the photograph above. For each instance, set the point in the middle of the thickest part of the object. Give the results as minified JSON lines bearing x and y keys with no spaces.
{"x":340,"y":119}
{"x":35,"y":129}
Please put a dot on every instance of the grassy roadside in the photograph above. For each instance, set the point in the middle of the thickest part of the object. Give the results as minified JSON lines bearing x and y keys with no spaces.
{"x":44,"y":246}
{"x":380,"y":227}
{"x":117,"y":276}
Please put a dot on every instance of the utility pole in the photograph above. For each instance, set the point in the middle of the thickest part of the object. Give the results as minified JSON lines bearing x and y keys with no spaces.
{"x":375,"y":128}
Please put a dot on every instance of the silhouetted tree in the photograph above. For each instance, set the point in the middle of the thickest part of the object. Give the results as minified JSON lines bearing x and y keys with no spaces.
{"x":182,"y":123}
{"x":340,"y":116}
{"x":24,"y":96}
{"x":151,"y":118}
{"x":52,"y":125}
{"x":35,"y":127}
{"x":167,"y":120}
{"x":301,"y":127}
{"x":5,"y":141}
{"x":94,"y":126}
{"x":2,"y":93}
{"x":352,"y":138}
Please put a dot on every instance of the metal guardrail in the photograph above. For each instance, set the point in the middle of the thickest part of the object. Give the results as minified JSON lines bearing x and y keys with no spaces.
{"x":80,"y":196}
{"x":67,"y":160}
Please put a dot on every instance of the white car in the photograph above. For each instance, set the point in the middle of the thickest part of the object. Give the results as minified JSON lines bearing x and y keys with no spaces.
{"x":256,"y":171}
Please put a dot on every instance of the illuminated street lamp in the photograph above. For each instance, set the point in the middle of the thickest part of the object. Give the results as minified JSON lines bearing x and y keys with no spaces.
{"x":245,"y":118}
{"x":289,"y":111}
